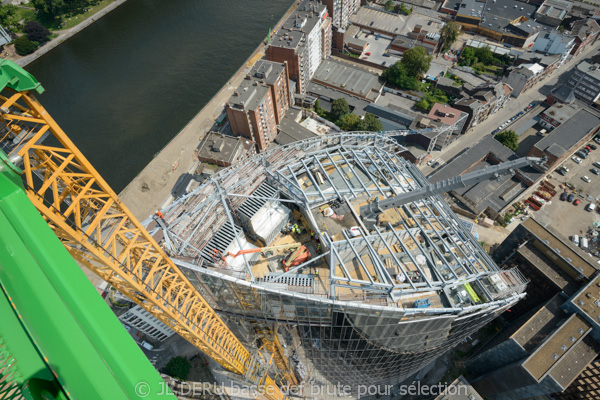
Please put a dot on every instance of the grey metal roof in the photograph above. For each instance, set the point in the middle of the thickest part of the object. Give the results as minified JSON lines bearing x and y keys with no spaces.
{"x":290,"y":131}
{"x":347,"y":77}
{"x":571,"y":131}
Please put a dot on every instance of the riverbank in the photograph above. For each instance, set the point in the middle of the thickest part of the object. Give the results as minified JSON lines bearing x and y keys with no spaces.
{"x":151,"y":188}
{"x":63,"y":35}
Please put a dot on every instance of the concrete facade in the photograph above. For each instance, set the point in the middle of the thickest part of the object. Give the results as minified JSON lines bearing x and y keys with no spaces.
{"x":341,"y":10}
{"x":303,"y":41}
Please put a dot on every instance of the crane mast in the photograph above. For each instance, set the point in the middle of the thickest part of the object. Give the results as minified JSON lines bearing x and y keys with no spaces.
{"x":101,"y":233}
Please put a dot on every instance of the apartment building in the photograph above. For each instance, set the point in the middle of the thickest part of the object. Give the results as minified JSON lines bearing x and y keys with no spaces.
{"x":481,"y":101}
{"x":260,"y":102}
{"x":303,"y":42}
{"x":341,"y":10}
{"x":585,"y":82}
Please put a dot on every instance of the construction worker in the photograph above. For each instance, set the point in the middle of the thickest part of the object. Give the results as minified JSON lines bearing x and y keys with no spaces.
{"x":312,"y":234}
{"x":316,"y":272}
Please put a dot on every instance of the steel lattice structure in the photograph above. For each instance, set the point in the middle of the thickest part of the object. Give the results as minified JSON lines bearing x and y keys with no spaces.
{"x":102,"y":234}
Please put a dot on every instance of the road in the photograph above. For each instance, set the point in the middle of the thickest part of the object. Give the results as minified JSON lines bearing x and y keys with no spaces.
{"x":539,"y":92}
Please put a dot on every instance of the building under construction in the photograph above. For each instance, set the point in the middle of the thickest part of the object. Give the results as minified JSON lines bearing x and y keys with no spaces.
{"x":279,"y":240}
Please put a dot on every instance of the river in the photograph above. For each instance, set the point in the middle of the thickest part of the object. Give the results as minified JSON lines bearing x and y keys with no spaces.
{"x":125,"y":86}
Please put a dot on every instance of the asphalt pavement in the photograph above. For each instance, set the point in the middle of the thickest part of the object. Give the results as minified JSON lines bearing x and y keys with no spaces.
{"x":538,"y":92}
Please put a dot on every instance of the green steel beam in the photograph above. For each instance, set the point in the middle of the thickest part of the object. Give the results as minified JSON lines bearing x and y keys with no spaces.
{"x":53,"y":319}
{"x":16,"y":78}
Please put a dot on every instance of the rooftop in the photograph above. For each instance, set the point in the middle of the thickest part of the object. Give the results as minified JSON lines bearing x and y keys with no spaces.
{"x":267,"y":71}
{"x":348,"y":78}
{"x":227,"y":149}
{"x":588,"y":301}
{"x":444,"y":114}
{"x":249,"y":95}
{"x":378,"y":20}
{"x":584,"y":27}
{"x":291,"y":131}
{"x":572,"y":131}
{"x":417,"y":257}
{"x":299,"y":24}
{"x":564,"y":249}
{"x":460,"y":389}
{"x":541,"y":324}
{"x":556,"y":9}
{"x":556,"y":348}
{"x":562,"y":112}
{"x":498,"y":15}
{"x":563,"y":94}
{"x":592,"y":70}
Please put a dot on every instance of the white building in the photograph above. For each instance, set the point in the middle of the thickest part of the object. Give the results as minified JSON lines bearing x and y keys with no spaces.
{"x":341,"y":10}
{"x":142,"y":320}
{"x":554,"y":43}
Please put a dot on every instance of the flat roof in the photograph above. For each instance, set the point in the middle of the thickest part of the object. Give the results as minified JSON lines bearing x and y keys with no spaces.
{"x":349,"y":78}
{"x":571,"y":131}
{"x":541,"y":324}
{"x":592,"y":70}
{"x":444,"y":114}
{"x":268,"y":71}
{"x":299,"y":24}
{"x":588,"y":300}
{"x":460,"y":389}
{"x":499,"y":14}
{"x":290,"y":131}
{"x":249,"y":95}
{"x":379,"y":20}
{"x":571,"y":255}
{"x":218,"y":146}
{"x":556,"y":347}
{"x":356,"y":104}
{"x":562,"y":112}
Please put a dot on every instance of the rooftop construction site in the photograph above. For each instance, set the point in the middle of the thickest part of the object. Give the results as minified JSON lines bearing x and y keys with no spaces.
{"x":299,"y":236}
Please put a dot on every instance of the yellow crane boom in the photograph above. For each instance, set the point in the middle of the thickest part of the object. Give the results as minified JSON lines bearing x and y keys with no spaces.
{"x":102,"y":234}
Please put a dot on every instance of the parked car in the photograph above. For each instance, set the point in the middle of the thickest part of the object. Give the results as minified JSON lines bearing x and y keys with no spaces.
{"x":593,"y":146}
{"x":563,"y":196}
{"x":571,"y":197}
{"x":368,"y":53}
{"x":581,"y":154}
{"x":564,"y":168}
{"x":588,"y":148}
{"x":146,"y":345}
{"x":586,"y":179}
{"x":435,"y":164}
{"x":576,"y":159}
{"x":596,"y":164}
{"x":595,"y":171}
{"x":561,"y":172}
{"x":576,"y":202}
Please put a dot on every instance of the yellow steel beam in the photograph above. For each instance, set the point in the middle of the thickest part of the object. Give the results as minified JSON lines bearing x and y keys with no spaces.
{"x":102,"y":234}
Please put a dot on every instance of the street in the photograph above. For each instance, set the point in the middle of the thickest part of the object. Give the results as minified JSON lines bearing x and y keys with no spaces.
{"x":538,"y":92}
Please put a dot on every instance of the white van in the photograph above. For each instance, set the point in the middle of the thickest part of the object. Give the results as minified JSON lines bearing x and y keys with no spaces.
{"x":146,"y":345}
{"x":584,"y":243}
{"x":591,"y":207}
{"x":575,"y":239}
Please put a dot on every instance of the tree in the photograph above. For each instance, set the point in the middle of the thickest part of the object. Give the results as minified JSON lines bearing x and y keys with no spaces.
{"x":8,"y":15}
{"x":467,"y":56}
{"x":36,"y":32}
{"x":339,"y":108}
{"x":178,"y":367}
{"x":403,"y":9}
{"x":24,"y":46}
{"x":423,"y":104}
{"x":348,"y":122}
{"x":49,"y":7}
{"x":416,"y":61}
{"x":397,"y":76}
{"x":389,"y":5}
{"x":449,"y":34}
{"x":508,"y":138}
{"x":370,"y":123}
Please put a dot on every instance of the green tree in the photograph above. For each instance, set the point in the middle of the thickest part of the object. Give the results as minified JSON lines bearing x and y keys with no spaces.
{"x":36,"y":32}
{"x":349,"y":122}
{"x":178,"y":367}
{"x":403,"y":9}
{"x":423,"y":104}
{"x":370,"y":123}
{"x":449,"y":34}
{"x":467,"y":56}
{"x":508,"y":138}
{"x":416,"y":61}
{"x":389,"y":5}
{"x":52,"y":8}
{"x":339,"y":108}
{"x":397,"y":76}
{"x":8,"y":15}
{"x":485,"y":55}
{"x":24,"y":46}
